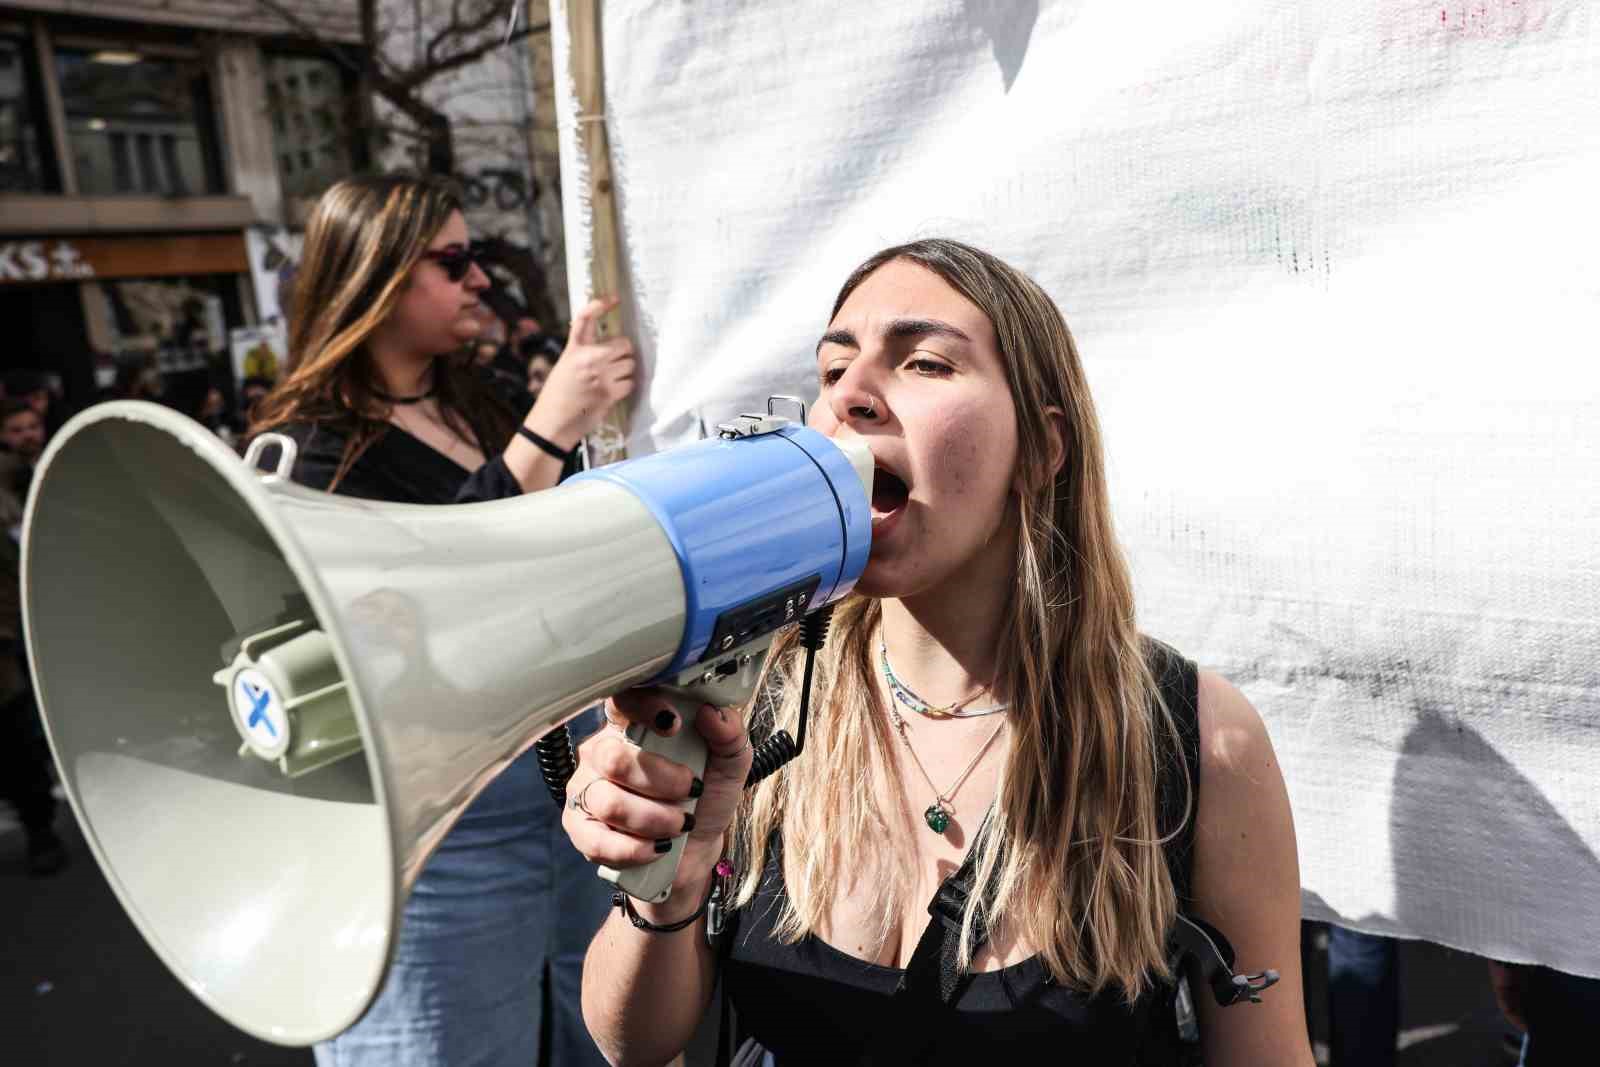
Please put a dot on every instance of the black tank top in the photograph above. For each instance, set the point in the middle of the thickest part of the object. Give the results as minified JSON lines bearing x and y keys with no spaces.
{"x":812,"y":1003}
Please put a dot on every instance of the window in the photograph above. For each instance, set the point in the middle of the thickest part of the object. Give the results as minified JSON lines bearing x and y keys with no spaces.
{"x":173,"y":164}
{"x":23,"y":163}
{"x":314,"y":147}
{"x":149,"y":180}
{"x":121,"y":161}
{"x":139,"y":124}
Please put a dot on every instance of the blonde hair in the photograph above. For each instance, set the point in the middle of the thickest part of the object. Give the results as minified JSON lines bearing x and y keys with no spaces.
{"x":1074,"y":851}
{"x":363,"y":239}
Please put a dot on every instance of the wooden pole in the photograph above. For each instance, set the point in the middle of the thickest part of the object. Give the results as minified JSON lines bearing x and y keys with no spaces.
{"x":610,"y":442}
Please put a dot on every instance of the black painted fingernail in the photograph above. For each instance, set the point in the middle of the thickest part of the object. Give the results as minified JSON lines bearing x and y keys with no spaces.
{"x":665,"y":720}
{"x":688,"y":822}
{"x":696,"y":787}
{"x":664,"y":846}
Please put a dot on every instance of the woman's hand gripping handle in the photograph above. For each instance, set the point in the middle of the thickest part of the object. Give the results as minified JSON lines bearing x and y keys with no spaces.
{"x":685,"y":747}
{"x":660,"y":786}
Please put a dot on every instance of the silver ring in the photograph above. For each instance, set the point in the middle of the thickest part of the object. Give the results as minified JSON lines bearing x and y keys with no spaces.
{"x":872,"y":407}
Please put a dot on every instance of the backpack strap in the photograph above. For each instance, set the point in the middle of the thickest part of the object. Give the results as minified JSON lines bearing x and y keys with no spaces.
{"x":1199,"y":941}
{"x":933,"y":978}
{"x":1191,"y":938}
{"x":934,"y":970}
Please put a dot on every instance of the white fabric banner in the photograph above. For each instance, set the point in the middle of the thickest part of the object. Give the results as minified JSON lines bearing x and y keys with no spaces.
{"x":1333,"y":270}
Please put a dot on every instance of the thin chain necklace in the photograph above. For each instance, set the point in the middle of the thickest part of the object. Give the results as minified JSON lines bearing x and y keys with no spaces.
{"x":905,"y":695}
{"x":938,"y":814}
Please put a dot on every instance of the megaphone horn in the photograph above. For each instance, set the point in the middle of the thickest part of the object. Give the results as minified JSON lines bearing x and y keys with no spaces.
{"x":269,"y":704}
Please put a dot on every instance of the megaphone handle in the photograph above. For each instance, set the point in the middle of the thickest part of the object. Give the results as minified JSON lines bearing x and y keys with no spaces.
{"x":653,"y":881}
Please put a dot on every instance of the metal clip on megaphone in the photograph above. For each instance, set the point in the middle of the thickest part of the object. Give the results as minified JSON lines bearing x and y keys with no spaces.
{"x":381,"y":662}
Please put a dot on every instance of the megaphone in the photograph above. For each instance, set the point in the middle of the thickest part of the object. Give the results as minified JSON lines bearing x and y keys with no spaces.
{"x":268,"y":704}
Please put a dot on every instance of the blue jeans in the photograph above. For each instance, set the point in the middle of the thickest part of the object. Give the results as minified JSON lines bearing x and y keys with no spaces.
{"x":490,"y":952}
{"x":1363,"y":998}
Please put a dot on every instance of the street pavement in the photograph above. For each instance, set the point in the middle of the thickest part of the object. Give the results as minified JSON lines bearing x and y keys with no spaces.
{"x":80,"y":988}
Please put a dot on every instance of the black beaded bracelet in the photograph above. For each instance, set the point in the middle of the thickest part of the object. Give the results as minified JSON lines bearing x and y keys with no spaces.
{"x":546,"y":445}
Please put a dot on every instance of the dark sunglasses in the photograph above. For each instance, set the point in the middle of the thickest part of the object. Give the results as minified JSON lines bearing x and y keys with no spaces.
{"x":457,"y":262}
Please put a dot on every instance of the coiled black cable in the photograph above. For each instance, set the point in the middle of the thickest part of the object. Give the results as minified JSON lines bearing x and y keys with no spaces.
{"x":780,"y":748}
{"x":771,"y":754}
{"x":557,"y":762}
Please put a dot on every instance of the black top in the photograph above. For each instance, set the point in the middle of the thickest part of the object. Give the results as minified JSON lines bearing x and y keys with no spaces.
{"x":812,"y":1003}
{"x":397,"y":468}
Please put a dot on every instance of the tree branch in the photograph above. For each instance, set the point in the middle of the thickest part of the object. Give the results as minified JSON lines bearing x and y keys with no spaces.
{"x":491,"y":14}
{"x":460,"y":59}
{"x":371,"y":32}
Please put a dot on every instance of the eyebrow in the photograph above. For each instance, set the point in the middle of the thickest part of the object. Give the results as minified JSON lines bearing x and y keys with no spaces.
{"x":898,"y":330}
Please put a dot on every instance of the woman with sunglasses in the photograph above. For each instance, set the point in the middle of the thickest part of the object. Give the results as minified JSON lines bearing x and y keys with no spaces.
{"x":382,"y":397}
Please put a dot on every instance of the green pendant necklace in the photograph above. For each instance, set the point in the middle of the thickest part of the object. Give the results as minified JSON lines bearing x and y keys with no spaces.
{"x":938,"y":814}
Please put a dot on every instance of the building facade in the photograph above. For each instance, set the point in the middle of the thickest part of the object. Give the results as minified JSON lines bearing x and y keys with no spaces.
{"x":500,"y":108}
{"x":152,"y":157}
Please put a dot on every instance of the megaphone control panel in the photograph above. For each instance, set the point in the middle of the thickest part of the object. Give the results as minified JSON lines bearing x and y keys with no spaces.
{"x":741,"y":625}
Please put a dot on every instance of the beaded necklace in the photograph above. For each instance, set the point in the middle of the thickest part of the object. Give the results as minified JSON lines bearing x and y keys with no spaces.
{"x":955,"y":710}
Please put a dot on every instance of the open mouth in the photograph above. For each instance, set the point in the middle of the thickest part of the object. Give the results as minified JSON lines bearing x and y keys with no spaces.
{"x":889,"y":493}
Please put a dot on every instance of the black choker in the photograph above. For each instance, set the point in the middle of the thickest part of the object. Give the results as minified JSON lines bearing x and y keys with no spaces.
{"x":419,"y":398}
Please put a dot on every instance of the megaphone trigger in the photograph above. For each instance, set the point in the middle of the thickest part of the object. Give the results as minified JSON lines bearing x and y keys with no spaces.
{"x":653,"y":881}
{"x":733,"y":683}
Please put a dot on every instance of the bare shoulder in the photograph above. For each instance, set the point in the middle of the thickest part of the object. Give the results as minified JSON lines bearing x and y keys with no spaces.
{"x":1247,"y":879}
{"x":1243,"y":817}
{"x":1233,"y":739}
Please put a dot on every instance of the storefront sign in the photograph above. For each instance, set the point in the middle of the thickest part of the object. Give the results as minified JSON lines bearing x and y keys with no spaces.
{"x":74,"y":259}
{"x":42,"y":261}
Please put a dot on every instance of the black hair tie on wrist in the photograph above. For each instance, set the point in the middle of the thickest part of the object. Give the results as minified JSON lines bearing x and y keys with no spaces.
{"x":547,"y":446}
{"x":620,"y":899}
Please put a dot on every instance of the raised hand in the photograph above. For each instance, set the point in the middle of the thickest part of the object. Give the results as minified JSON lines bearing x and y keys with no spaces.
{"x":588,"y":380}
